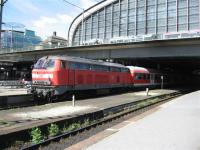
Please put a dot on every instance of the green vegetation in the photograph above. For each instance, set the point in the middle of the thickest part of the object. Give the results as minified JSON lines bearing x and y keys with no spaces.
{"x":53,"y":130}
{"x":86,"y":123}
{"x":3,"y":122}
{"x":36,"y":135}
{"x":6,"y":123}
{"x":147,"y":102}
{"x":73,"y":126}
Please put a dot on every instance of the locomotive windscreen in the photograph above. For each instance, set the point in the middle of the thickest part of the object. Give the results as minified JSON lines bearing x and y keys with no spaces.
{"x":44,"y":64}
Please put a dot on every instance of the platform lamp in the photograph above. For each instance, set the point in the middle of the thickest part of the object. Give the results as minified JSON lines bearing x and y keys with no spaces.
{"x":2,"y":2}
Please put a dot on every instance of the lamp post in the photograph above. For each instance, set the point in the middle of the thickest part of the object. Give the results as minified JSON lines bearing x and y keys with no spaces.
{"x":2,"y":2}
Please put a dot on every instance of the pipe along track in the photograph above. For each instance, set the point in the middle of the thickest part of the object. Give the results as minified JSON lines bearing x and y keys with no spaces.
{"x":112,"y":114}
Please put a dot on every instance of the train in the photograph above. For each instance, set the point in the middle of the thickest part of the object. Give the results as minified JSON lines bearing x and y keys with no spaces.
{"x":55,"y":76}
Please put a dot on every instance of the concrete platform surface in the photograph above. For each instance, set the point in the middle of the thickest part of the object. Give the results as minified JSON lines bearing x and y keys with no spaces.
{"x":7,"y":91}
{"x":173,"y":126}
{"x":22,"y":118}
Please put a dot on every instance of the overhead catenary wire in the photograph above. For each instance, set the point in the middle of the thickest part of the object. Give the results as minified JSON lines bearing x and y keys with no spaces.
{"x":72,"y":4}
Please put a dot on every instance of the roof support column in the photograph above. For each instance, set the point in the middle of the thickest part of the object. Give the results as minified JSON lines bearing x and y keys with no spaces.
{"x":104,"y":30}
{"x":127,"y":17}
{"x":176,"y":15}
{"x":136,"y":17}
{"x":119,"y":17}
{"x":156,"y":17}
{"x":112,"y":20}
{"x":167,"y":16}
{"x":145,"y":6}
{"x":188,"y":14}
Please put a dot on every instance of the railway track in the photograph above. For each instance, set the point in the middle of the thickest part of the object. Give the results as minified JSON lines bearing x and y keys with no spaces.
{"x":109,"y":115}
{"x":30,"y":102}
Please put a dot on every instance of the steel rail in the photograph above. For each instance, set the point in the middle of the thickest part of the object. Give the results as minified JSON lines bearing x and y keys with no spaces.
{"x":107,"y":119}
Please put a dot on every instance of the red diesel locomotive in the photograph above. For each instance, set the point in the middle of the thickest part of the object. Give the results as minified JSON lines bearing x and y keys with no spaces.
{"x":53,"y":76}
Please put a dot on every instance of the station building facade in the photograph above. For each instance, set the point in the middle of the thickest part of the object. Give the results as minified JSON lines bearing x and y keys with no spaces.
{"x":114,"y":21}
{"x":18,"y":38}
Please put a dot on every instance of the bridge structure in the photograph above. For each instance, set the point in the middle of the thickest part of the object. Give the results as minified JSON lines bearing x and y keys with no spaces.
{"x":149,"y":33}
{"x":174,"y":53}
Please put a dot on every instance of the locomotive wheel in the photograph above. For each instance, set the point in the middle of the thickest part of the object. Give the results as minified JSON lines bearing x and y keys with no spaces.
{"x":49,"y":99}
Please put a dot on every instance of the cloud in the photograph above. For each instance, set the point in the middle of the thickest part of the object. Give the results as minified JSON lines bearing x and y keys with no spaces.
{"x":44,"y":22}
{"x":24,"y":6}
{"x":46,"y":25}
{"x":64,"y":18}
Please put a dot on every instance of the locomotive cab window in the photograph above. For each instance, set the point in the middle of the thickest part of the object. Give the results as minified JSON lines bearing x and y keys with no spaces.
{"x":45,"y":64}
{"x":49,"y":64}
{"x":39,"y":63}
{"x":63,"y":64}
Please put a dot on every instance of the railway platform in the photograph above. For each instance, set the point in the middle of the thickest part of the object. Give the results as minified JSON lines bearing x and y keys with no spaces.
{"x":10,"y":96}
{"x":7,"y":91}
{"x":171,"y":126}
{"x":15,"y":120}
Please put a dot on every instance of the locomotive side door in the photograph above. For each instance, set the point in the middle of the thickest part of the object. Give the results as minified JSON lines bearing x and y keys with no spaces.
{"x":71,"y":77}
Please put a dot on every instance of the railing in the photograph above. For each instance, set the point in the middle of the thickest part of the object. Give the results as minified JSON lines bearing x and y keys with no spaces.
{"x":115,"y":40}
{"x":30,"y":48}
{"x":142,"y":38}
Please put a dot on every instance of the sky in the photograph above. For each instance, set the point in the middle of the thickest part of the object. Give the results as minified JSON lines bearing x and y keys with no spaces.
{"x":44,"y":16}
